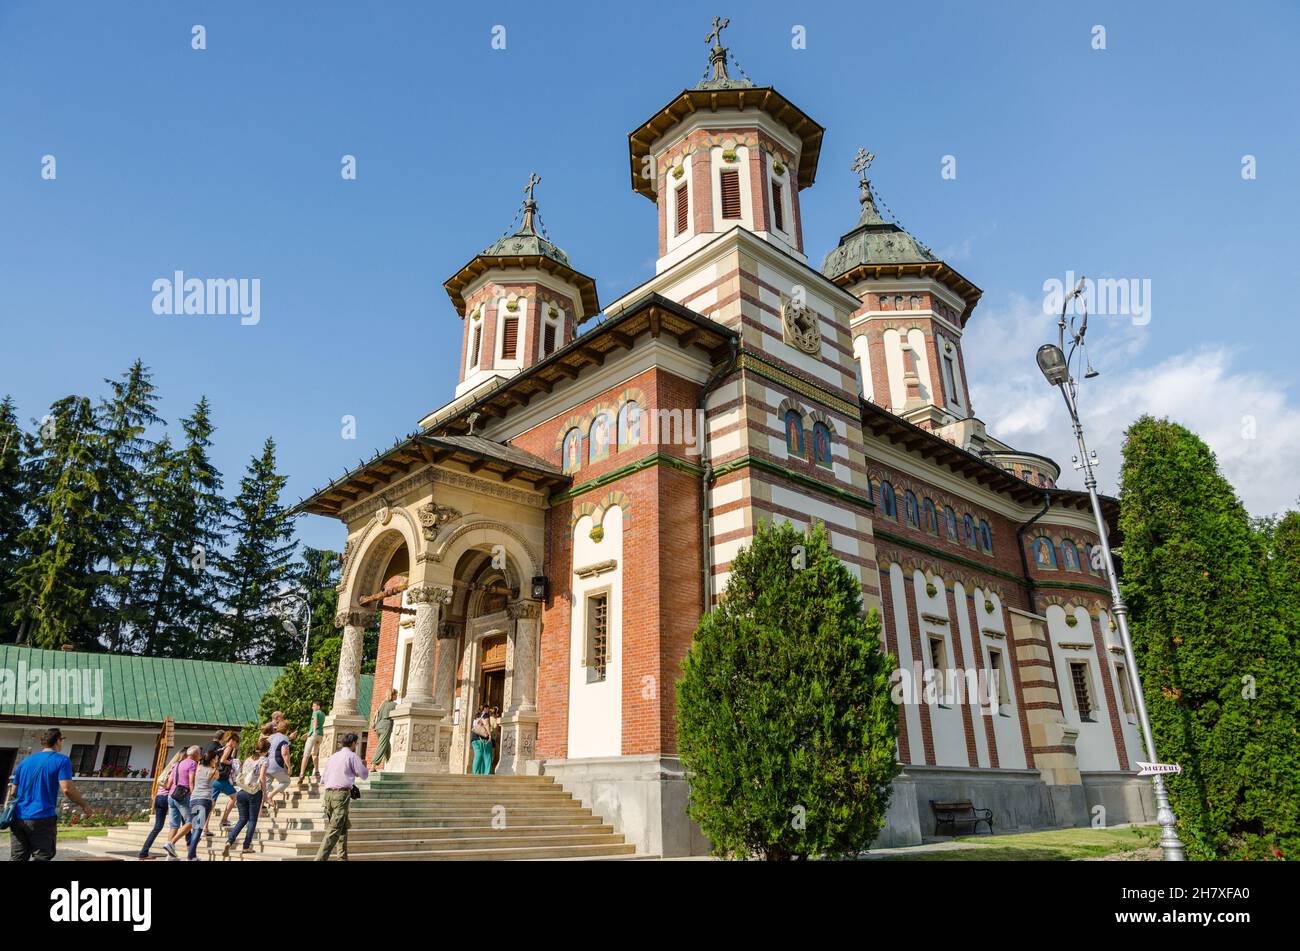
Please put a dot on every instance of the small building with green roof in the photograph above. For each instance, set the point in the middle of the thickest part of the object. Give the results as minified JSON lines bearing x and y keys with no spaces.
{"x":112,"y":707}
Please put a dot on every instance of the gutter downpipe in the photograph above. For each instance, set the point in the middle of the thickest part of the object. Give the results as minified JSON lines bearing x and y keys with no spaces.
{"x":1020,"y":541}
{"x":706,"y":477}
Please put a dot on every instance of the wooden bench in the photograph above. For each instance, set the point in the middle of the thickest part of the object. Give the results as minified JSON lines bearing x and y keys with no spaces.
{"x":954,"y":812}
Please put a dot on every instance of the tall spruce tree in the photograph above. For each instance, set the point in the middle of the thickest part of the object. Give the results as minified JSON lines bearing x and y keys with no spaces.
{"x":182,"y":619}
{"x":784,"y":714}
{"x":13,"y":513}
{"x":1218,"y":673}
{"x":123,"y":421}
{"x":258,"y":571}
{"x":65,"y":552}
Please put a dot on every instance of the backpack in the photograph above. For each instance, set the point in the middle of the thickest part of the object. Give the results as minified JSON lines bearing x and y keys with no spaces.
{"x":248,"y":778}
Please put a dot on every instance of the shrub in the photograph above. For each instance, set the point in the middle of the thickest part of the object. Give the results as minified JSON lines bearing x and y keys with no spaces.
{"x":784,"y":718}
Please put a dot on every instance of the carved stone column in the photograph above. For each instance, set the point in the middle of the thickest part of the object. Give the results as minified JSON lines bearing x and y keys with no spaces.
{"x":445,"y":685}
{"x":418,"y":720}
{"x":519,"y":721}
{"x":429,"y":601}
{"x":344,"y":717}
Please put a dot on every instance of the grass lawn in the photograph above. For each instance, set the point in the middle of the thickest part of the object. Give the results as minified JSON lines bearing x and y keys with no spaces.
{"x":1057,"y":845}
{"x":66,"y":834}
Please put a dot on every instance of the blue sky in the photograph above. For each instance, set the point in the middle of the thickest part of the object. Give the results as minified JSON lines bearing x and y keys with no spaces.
{"x":1123,"y":162}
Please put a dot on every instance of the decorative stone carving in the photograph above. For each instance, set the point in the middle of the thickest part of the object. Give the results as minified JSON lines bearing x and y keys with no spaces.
{"x":433,"y":517}
{"x":422,"y":593}
{"x":383,"y":514}
{"x":524,"y":609}
{"x":399,"y":738}
{"x":799,"y":325}
{"x":424,"y":737}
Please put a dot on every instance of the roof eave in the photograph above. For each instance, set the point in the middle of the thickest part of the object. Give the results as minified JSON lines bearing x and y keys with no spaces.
{"x":690,"y":101}
{"x":938,"y":270}
{"x":480,"y":264}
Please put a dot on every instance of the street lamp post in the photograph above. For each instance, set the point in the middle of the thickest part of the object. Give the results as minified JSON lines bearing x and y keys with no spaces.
{"x":293,"y":631}
{"x":1054,"y":361}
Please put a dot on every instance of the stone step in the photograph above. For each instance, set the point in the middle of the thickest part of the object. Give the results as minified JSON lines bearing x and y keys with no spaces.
{"x":415,"y":818}
{"x":385,"y":829}
{"x":503,"y":841}
{"x":609,"y":850}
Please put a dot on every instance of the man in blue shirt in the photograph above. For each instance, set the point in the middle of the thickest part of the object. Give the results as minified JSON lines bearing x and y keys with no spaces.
{"x":35,"y":788}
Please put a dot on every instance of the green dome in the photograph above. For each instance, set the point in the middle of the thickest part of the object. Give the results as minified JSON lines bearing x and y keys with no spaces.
{"x":874,"y":241}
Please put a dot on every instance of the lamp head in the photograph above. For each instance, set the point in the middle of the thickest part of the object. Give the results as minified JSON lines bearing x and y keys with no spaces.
{"x":1052,"y":362}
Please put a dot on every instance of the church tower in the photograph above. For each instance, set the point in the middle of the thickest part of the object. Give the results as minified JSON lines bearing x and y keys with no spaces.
{"x":723,"y":154}
{"x":520,"y":301}
{"x":907,"y":331}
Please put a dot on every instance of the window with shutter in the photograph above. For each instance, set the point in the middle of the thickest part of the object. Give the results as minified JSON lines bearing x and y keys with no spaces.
{"x":598,"y":634}
{"x":478,"y":340}
{"x":778,"y":210}
{"x":682,"y":209}
{"x":730,"y":180}
{"x":510,"y":338}
{"x":548,"y":340}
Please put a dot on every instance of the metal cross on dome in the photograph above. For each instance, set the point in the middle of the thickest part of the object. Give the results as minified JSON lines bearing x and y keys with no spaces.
{"x":862,"y":161}
{"x":533,"y":182}
{"x":719,"y":24}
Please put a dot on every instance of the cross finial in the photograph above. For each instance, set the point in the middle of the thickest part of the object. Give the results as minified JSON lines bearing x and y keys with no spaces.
{"x":533,"y":182}
{"x":715,"y":36}
{"x":861,"y":162}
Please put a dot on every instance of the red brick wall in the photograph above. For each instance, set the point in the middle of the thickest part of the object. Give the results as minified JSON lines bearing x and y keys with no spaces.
{"x":661,"y":571}
{"x":386,"y":661}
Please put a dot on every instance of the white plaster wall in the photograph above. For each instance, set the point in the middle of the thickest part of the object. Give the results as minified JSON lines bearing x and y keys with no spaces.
{"x":1006,"y":729}
{"x":862,"y":351}
{"x":1095,"y":745}
{"x":946,"y":724}
{"x":973,"y":653}
{"x":596,"y":709}
{"x":903,"y":638}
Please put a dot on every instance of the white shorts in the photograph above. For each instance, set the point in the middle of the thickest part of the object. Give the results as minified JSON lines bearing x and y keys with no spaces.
{"x":310,"y":746}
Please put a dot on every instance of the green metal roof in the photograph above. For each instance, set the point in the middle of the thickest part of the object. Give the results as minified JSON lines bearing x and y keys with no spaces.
{"x":874,"y":241}
{"x":147,"y":689}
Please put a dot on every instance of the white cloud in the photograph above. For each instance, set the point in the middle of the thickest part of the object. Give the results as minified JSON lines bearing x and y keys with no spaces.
{"x":1203,"y":389}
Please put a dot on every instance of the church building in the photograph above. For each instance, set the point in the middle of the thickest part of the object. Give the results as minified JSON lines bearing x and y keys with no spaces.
{"x":547,"y":540}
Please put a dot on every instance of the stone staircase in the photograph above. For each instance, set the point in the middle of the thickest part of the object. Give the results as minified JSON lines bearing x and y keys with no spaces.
{"x":413,"y":818}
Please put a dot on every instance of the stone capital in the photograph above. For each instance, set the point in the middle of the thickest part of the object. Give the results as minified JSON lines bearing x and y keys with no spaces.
{"x":424,"y":593}
{"x":524,"y":609}
{"x":353,"y":618}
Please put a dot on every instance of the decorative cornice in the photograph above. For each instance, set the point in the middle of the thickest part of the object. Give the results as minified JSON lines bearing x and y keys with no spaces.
{"x":1075,"y":645}
{"x":990,"y":632}
{"x":935,"y":619}
{"x":594,"y":570}
{"x":433,"y":475}
{"x":754,"y":363}
{"x":632,"y":468}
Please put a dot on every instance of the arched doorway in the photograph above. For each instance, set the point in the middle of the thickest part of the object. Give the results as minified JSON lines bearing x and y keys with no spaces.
{"x":486,"y":583}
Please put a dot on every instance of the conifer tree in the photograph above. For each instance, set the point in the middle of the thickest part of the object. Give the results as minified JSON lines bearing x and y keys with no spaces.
{"x":65,"y":553}
{"x":1218,"y":673}
{"x":123,"y":421}
{"x":784,"y":716}
{"x":182,"y":617}
{"x":13,"y":512}
{"x":258,"y":572}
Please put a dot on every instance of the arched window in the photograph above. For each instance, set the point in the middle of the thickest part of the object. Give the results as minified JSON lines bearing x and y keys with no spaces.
{"x":888,"y":504}
{"x":1070,"y":555}
{"x":929,"y":517}
{"x":598,"y":438}
{"x":572,"y":455}
{"x":629,"y":424}
{"x":1044,"y":552}
{"x":950,"y":522}
{"x":1089,"y":553}
{"x":986,"y":537}
{"x":916,"y":302}
{"x":912,"y":509}
{"x":968,"y":530}
{"x":822,"y":445}
{"x":794,"y":434}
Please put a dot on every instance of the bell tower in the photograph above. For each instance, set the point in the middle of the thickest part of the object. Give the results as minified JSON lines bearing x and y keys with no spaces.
{"x":725,"y":154}
{"x":519,"y":299}
{"x":907,"y":332}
